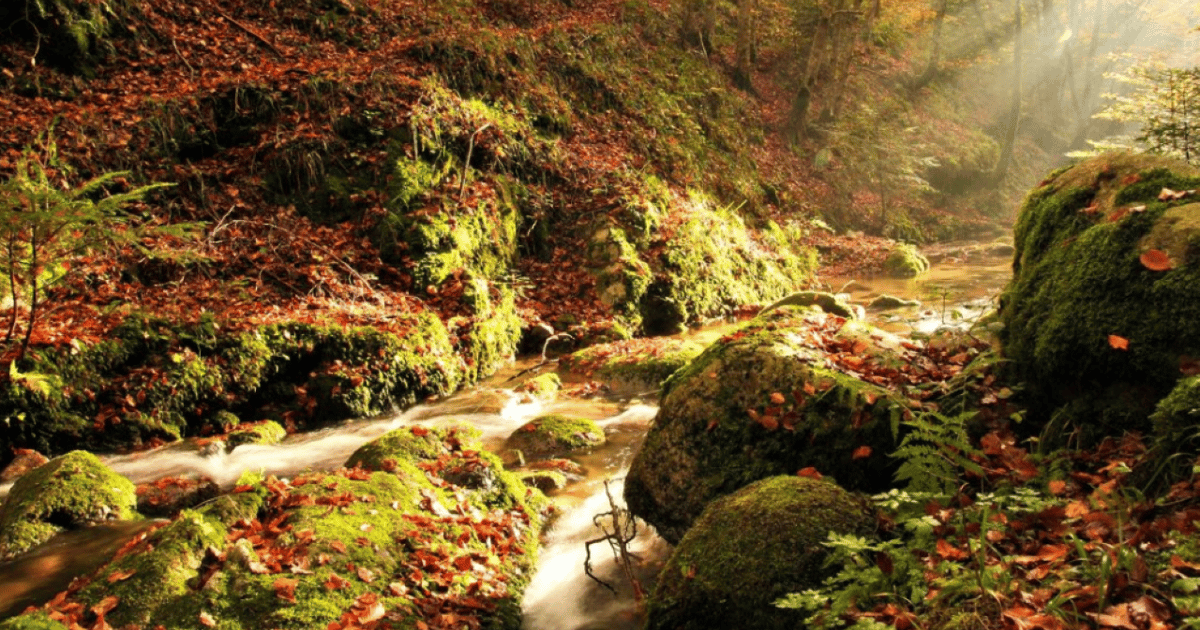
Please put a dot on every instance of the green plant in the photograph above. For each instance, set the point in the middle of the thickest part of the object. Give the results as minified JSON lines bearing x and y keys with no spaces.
{"x":45,"y":222}
{"x":935,"y":452}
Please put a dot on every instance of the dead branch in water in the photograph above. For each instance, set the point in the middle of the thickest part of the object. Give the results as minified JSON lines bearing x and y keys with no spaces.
{"x":619,"y":530}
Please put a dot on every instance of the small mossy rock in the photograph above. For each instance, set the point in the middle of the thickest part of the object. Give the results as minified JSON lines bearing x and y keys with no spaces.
{"x":905,"y":261}
{"x":70,"y":491}
{"x":828,"y":302}
{"x":554,"y":434}
{"x":706,"y":443}
{"x":750,"y":548}
{"x":412,"y":443}
{"x":634,"y":363}
{"x":887,"y":302}
{"x":1080,"y":291}
{"x":167,"y":497}
{"x":543,"y":386}
{"x":265,"y":432}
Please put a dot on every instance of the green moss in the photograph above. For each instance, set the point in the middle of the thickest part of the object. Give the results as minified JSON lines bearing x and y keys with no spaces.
{"x":726,"y":574}
{"x":555,"y":434}
{"x":33,"y":621}
{"x":65,"y":493}
{"x":543,"y":386}
{"x":162,"y":585}
{"x":635,"y":362}
{"x":406,"y":443}
{"x":905,"y":261}
{"x":1078,"y":279}
{"x":189,"y":379}
{"x":715,"y":261}
{"x":706,"y":443}
{"x":264,"y":432}
{"x":489,"y":338}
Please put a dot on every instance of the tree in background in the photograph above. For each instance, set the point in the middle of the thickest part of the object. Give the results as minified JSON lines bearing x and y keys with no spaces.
{"x":1166,"y":101}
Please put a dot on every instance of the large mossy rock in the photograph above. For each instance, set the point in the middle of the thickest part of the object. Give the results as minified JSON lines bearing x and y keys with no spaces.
{"x":751,"y":548}
{"x":765,"y":400}
{"x":426,"y":523}
{"x":1080,"y":290}
{"x":905,"y":261}
{"x":633,"y":363}
{"x":67,"y":492}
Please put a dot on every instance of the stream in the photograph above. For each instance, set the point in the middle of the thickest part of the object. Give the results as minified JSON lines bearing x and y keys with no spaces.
{"x":561,"y":596}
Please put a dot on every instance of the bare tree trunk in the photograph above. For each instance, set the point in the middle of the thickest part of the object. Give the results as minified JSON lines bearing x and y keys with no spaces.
{"x":931,"y":68}
{"x":1010,"y":141}
{"x":745,"y":44}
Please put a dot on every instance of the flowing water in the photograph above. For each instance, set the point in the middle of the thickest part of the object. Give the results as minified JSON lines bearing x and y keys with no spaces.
{"x":561,"y":596}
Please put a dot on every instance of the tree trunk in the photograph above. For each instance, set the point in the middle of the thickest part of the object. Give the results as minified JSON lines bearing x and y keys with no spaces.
{"x":745,"y":44}
{"x":1010,"y":141}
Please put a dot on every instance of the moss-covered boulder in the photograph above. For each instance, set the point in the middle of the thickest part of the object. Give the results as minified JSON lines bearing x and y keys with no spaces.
{"x":554,"y":434}
{"x":439,"y":526}
{"x":905,"y":261}
{"x":68,"y":492}
{"x":749,"y":549}
{"x":766,"y":400}
{"x":633,"y":363}
{"x":1104,"y":305}
{"x":262,"y":432}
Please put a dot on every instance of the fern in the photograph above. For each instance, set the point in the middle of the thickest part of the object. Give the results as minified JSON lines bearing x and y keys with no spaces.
{"x":935,"y":452}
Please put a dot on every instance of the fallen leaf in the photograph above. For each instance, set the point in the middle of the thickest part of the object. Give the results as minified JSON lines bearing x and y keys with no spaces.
{"x":809,"y":472}
{"x":207,"y":620}
{"x":285,"y":588}
{"x":777,"y":398}
{"x":117,"y":576}
{"x":1057,"y":486}
{"x":861,"y":452}
{"x":1118,"y":342}
{"x":1156,"y":260}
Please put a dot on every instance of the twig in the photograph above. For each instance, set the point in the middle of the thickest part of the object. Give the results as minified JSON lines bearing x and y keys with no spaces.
{"x":251,"y":33}
{"x":623,"y":531}
{"x":182,"y":58}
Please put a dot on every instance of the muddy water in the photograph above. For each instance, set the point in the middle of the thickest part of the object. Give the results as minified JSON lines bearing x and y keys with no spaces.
{"x":561,"y":596}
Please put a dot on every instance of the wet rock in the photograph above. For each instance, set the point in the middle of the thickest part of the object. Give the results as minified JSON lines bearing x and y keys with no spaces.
{"x":544,"y":480}
{"x":264,"y":432}
{"x":705,"y":443}
{"x":1098,"y":336}
{"x":542,"y":387}
{"x":24,"y":460}
{"x":749,"y":549}
{"x":888,"y":302}
{"x":67,"y":492}
{"x":828,"y":302}
{"x":167,"y":497}
{"x":905,"y":261}
{"x":554,"y":434}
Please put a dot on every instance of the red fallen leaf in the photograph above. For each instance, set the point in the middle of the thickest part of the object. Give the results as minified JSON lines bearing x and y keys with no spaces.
{"x":691,"y":572}
{"x":243,"y":488}
{"x":338,"y":546}
{"x":105,"y":605}
{"x":117,"y":576}
{"x":1156,"y":260}
{"x":1050,"y":553}
{"x":950,"y":552}
{"x":1118,"y":342}
{"x":336,"y":582}
{"x":1173,"y":195}
{"x":769,"y":423}
{"x":419,"y":431}
{"x":373,"y":611}
{"x":809,"y":472}
{"x":366,"y":575}
{"x":1057,"y":486}
{"x":777,"y":398}
{"x":207,"y":620}
{"x":1132,"y":179}
{"x":285,"y":588}
{"x":861,"y":452}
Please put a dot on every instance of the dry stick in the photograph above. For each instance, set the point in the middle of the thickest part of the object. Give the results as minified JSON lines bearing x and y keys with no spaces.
{"x":624,"y":530}
{"x":182,"y":58}
{"x":251,"y":33}
{"x":467,"y":167}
